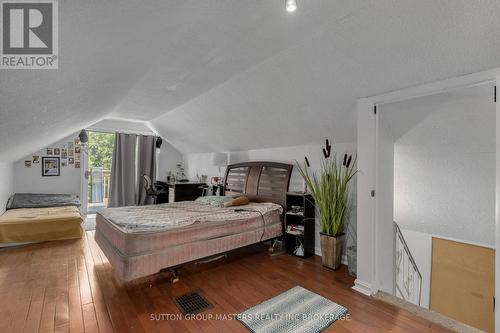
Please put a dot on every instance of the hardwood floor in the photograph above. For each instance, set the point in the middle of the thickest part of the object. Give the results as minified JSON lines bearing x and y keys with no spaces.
{"x":70,"y":286}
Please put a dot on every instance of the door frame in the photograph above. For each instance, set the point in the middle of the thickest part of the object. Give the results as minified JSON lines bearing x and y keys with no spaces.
{"x":84,"y":162}
{"x":368,"y":244}
{"x":85,"y":173}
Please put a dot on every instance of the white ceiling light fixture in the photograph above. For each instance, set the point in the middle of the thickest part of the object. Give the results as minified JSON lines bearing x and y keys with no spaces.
{"x":291,"y":5}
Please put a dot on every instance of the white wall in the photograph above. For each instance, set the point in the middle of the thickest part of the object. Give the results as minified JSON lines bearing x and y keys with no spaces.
{"x":366,"y":243}
{"x":384,"y":206}
{"x":444,"y":172}
{"x":200,"y":164}
{"x":6,"y":184}
{"x":168,"y":158}
{"x":497,"y":212}
{"x":30,"y":180}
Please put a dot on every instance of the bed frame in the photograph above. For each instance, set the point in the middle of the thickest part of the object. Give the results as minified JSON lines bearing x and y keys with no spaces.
{"x":259,"y":181}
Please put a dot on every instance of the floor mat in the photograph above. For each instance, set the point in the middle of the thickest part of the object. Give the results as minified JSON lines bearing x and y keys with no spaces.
{"x":295,"y":310}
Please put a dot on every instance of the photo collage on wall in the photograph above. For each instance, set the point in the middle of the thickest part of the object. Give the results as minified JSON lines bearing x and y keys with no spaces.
{"x":54,"y":158}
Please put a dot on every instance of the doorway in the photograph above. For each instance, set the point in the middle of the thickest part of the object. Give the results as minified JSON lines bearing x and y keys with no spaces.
{"x":371,"y":247}
{"x":435,"y":181}
{"x":100,"y":155}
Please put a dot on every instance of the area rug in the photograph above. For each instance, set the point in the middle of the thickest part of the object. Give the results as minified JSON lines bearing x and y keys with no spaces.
{"x":295,"y":310}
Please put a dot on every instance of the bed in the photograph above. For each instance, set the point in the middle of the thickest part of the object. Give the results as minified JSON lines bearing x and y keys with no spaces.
{"x":140,"y":241}
{"x":40,"y":217}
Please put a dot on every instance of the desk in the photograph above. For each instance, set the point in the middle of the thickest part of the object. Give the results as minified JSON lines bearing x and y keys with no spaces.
{"x":184,"y":191}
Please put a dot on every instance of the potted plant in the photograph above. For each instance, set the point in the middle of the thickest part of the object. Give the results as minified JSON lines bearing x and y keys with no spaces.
{"x":331,"y":193}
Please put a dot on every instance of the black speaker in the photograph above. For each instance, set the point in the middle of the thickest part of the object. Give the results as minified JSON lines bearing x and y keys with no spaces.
{"x":84,"y":138}
{"x":159,"y":142}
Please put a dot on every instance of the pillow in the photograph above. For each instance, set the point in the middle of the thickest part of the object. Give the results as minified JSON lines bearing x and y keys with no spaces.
{"x":238,"y":201}
{"x":9,"y":202}
{"x":214,"y":200}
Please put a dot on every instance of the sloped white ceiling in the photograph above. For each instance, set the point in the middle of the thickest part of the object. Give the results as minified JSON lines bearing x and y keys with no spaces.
{"x":233,"y":75}
{"x":401,"y":118}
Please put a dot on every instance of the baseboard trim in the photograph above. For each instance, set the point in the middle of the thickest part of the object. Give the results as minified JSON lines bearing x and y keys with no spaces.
{"x":362,"y":287}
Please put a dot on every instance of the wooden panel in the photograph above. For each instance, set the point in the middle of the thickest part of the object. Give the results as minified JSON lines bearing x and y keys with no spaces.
{"x":463,"y":282}
{"x":253,"y":180}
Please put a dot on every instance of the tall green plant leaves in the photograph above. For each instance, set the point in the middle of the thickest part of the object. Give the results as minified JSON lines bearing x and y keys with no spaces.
{"x":330,"y":190}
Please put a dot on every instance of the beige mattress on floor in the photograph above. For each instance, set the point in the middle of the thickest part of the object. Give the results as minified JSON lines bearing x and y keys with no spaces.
{"x":135,"y":254}
{"x":40,"y":224}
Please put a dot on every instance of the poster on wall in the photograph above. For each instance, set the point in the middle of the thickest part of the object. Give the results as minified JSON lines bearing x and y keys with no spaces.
{"x":36,"y":159}
{"x":27,"y":164}
{"x":50,"y":166}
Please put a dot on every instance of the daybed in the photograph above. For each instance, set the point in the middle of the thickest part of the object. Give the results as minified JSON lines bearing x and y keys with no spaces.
{"x":140,"y":241}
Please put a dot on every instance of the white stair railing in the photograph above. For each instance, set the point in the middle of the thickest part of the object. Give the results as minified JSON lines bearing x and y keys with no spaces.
{"x":407,"y":277}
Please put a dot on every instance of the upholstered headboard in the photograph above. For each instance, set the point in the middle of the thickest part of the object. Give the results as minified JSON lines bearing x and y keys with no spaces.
{"x":259,"y":181}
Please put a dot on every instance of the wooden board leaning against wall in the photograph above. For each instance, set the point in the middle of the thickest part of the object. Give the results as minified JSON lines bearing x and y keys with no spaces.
{"x":463,"y":282}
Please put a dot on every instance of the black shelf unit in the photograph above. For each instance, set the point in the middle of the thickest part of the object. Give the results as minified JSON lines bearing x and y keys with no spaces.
{"x":306,"y":219}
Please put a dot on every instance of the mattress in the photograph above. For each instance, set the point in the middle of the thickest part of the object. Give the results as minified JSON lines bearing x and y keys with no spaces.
{"x":40,"y":224}
{"x":33,"y":200}
{"x":134,"y":252}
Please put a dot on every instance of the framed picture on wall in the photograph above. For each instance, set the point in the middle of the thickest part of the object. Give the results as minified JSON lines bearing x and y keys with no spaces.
{"x":51,"y":166}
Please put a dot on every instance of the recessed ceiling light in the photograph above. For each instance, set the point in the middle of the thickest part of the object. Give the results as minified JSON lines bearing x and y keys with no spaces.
{"x":291,"y":5}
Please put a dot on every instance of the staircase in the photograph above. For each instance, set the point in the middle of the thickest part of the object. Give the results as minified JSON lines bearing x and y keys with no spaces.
{"x":407,"y":277}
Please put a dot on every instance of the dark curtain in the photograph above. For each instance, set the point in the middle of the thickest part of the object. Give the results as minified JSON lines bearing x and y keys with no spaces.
{"x":123,"y":180}
{"x":146,"y":160}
